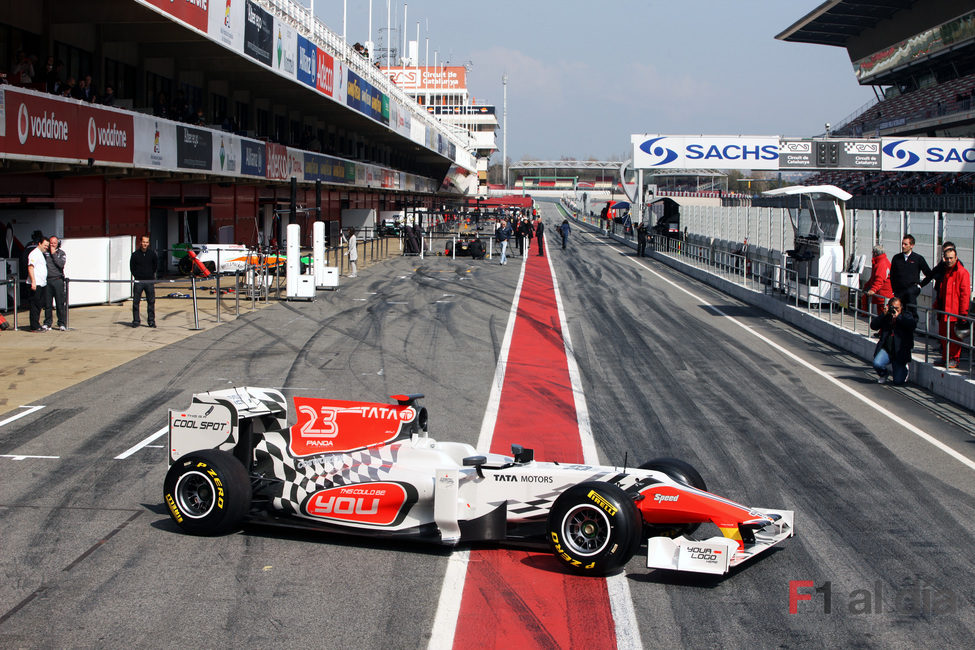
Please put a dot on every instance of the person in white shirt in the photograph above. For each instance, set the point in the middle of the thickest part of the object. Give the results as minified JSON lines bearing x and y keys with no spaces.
{"x":353,"y":253}
{"x":37,"y":280}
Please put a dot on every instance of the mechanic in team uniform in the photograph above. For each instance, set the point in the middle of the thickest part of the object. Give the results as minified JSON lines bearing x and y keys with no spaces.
{"x":143,"y":265}
{"x":905,"y":275}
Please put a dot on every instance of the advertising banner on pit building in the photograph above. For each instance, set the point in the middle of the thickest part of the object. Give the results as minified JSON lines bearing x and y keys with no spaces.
{"x":194,"y":13}
{"x":928,"y":154}
{"x":258,"y":33}
{"x":705,"y":152}
{"x":43,"y":126}
{"x":285,"y":55}
{"x":227,"y":23}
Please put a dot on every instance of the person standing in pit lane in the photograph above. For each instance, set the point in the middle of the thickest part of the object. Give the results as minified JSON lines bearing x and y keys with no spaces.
{"x":641,"y":239}
{"x":56,"y":259}
{"x":353,"y":253}
{"x":37,"y":284}
{"x":564,"y":230}
{"x":878,"y":289}
{"x":539,"y":232}
{"x":954,"y":297}
{"x":502,"y":235}
{"x":143,"y":264}
{"x":905,"y":274}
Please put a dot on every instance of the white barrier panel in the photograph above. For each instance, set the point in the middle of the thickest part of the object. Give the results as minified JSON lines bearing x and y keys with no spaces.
{"x":98,"y":258}
{"x":297,"y":285}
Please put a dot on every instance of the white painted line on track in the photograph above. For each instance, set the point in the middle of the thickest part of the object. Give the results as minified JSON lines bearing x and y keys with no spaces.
{"x":145,"y":442}
{"x":620,"y":600}
{"x":25,"y":456}
{"x":30,"y":409}
{"x":452,"y":592}
{"x":866,"y":400}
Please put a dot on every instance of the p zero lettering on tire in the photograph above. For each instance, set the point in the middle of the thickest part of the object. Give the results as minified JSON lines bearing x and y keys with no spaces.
{"x":207,"y":492}
{"x":594,"y":528}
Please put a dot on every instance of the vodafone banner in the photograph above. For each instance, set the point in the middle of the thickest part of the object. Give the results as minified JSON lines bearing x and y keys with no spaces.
{"x":37,"y":125}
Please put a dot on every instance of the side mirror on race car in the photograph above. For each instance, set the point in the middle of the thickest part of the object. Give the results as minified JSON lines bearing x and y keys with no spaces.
{"x":522,"y":455}
{"x":476,"y":462}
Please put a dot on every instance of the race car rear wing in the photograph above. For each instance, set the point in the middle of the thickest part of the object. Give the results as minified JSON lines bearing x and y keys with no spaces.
{"x":215,"y":419}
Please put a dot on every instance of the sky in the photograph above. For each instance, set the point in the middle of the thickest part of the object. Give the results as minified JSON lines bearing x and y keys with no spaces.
{"x":583,"y":76}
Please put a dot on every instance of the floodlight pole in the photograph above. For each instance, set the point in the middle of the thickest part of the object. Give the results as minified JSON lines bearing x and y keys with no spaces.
{"x":504,"y":132}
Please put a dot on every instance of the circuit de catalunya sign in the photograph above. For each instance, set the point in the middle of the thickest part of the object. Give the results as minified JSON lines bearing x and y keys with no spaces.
{"x":654,"y":151}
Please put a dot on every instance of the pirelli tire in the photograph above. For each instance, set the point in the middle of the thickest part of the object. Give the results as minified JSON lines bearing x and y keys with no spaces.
{"x":682,"y":472}
{"x":207,"y":492}
{"x":594,"y":528}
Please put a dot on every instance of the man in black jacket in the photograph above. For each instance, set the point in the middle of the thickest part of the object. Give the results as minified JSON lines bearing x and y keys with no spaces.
{"x":143,"y":265}
{"x":896,"y":327}
{"x":905,"y":275}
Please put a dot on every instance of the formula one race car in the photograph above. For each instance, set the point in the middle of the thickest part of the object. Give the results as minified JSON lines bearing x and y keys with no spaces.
{"x":223,"y":258}
{"x":371,"y":469}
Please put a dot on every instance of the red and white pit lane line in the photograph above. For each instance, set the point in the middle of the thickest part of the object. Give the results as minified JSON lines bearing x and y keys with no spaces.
{"x":508,"y":598}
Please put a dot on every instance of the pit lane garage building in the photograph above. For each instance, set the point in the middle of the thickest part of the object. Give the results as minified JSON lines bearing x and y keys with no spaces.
{"x":193,"y":118}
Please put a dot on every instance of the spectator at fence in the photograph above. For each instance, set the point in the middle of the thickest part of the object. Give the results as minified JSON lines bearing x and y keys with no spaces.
{"x":938,"y":272}
{"x":953,"y":298}
{"x":896,"y":327}
{"x":641,"y":239}
{"x":905,"y":274}
{"x":56,"y":298}
{"x":143,"y":264}
{"x":525,"y":232}
{"x":37,"y":283}
{"x":878,"y":289}
{"x":108,"y":99}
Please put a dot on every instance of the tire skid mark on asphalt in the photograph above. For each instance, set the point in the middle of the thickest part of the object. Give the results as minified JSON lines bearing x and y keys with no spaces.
{"x":923,"y":435}
{"x":40,"y":591}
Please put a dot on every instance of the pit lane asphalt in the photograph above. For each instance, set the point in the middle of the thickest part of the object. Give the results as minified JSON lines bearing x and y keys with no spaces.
{"x":90,"y":557}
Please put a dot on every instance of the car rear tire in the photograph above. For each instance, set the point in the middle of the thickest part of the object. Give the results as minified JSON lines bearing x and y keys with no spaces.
{"x":594,"y":528}
{"x":682,"y":472}
{"x":185,"y":265}
{"x":207,"y":492}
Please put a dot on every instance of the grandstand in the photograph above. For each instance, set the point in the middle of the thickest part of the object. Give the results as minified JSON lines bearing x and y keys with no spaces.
{"x":920,"y":59}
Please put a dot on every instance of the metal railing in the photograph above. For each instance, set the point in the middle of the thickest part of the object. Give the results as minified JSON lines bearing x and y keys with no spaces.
{"x":828,"y":299}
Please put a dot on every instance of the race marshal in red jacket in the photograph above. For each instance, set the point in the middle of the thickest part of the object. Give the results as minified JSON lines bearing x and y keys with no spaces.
{"x":954,"y":296}
{"x":878,"y":286}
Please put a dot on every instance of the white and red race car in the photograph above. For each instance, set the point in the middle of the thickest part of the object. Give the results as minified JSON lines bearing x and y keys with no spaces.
{"x":371,"y":469}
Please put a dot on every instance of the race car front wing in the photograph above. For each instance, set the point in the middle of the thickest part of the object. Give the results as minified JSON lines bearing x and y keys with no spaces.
{"x":718,"y":554}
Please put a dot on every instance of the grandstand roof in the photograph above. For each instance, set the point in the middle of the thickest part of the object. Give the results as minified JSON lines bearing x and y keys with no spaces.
{"x":835,"y":22}
{"x":566,"y":164}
